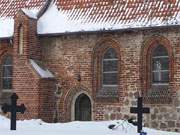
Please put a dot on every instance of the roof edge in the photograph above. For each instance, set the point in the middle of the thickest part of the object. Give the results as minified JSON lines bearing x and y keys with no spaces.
{"x":44,"y":8}
{"x":108,"y":31}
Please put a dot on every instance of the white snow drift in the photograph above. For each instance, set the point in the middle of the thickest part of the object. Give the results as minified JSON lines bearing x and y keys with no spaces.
{"x":38,"y":127}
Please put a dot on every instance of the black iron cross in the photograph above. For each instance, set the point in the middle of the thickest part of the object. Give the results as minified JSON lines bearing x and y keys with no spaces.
{"x":13,"y":108}
{"x":139,"y":110}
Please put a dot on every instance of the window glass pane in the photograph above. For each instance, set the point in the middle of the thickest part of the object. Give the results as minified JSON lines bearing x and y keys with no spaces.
{"x":7,"y":71}
{"x":160,"y":64}
{"x":110,"y":53}
{"x":110,"y":78}
{"x":8,"y":60}
{"x":165,"y":77}
{"x":110,"y":65}
{"x":156,"y":77}
{"x":160,"y":51}
{"x":7,"y":83}
{"x":161,"y":77}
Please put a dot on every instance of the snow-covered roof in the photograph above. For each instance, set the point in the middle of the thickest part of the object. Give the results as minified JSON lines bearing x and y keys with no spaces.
{"x":116,"y":16}
{"x":41,"y":70}
{"x":8,"y":8}
{"x":95,"y":15}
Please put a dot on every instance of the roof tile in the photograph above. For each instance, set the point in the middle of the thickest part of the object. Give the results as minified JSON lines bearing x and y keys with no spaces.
{"x":115,"y":11}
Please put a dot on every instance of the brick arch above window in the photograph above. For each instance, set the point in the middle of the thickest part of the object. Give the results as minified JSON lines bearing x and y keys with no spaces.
{"x":159,"y":93}
{"x":101,"y":91}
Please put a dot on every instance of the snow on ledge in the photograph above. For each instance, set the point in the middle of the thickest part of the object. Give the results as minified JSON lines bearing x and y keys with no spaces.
{"x":43,"y":72}
{"x":6,"y":27}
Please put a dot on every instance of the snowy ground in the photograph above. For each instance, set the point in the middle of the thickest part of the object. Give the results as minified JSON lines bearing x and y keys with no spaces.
{"x":37,"y":127}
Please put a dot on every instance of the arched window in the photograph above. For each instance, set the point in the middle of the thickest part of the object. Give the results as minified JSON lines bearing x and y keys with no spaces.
{"x":7,"y":73}
{"x":21,"y":41}
{"x":106,"y":71}
{"x":160,"y":66}
{"x":157,"y":75}
{"x":110,"y":68}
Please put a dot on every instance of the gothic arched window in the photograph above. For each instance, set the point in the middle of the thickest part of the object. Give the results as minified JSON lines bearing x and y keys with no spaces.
{"x":110,"y":68}
{"x":106,"y":71}
{"x":160,"y":65}
{"x":7,"y":73}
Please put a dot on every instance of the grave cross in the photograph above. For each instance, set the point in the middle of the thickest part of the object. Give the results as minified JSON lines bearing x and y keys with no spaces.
{"x":139,"y":110}
{"x":13,"y":109}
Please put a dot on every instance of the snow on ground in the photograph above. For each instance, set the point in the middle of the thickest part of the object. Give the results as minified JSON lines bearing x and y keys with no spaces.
{"x":38,"y":127}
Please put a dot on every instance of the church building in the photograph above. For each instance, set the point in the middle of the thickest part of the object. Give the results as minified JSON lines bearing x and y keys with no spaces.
{"x":89,"y":60}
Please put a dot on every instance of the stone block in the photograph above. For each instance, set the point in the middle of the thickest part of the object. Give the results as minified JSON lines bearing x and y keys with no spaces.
{"x":163,"y":125}
{"x":171,"y":124}
{"x":154,"y":124}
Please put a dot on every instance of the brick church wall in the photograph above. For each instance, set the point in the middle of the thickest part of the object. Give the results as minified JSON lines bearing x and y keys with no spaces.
{"x":27,"y":83}
{"x":72,"y":54}
{"x":47,"y":100}
{"x":71,"y":59}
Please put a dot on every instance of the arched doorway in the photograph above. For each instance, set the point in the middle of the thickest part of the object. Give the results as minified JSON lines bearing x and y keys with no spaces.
{"x":83,"y":108}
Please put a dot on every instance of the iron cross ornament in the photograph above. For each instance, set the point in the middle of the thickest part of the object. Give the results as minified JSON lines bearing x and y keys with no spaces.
{"x":13,"y":109}
{"x":139,"y":110}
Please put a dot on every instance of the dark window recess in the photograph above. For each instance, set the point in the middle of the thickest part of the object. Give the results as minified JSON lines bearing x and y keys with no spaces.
{"x":110,"y":54}
{"x":7,"y":83}
{"x":110,"y":78}
{"x":110,"y":65}
{"x":160,"y":50}
{"x":7,"y":73}
{"x":83,"y":108}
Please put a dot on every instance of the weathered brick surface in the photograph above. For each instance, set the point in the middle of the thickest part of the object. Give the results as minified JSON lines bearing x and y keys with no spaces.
{"x":70,"y":55}
{"x":47,"y":99}
{"x":35,"y":92}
